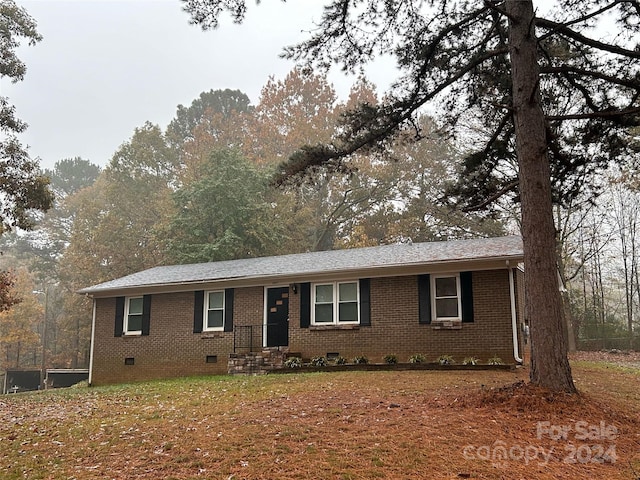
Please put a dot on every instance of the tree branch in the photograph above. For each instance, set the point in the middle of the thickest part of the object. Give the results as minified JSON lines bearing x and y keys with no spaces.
{"x":586,"y":17}
{"x":308,"y":156}
{"x":493,"y":6}
{"x":503,"y":191}
{"x":597,"y":114}
{"x":563,"y":29}
{"x":635,"y":83}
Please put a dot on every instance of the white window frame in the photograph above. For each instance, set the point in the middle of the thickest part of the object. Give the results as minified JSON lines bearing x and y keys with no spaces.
{"x":127,"y":305}
{"x":336,"y":303}
{"x":205,"y":315}
{"x":434,"y":298}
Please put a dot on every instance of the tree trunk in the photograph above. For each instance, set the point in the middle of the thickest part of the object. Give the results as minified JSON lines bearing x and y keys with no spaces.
{"x":543,"y":305}
{"x":568,"y":323}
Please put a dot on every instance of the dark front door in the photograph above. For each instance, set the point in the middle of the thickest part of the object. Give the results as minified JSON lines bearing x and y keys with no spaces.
{"x":278,"y":317}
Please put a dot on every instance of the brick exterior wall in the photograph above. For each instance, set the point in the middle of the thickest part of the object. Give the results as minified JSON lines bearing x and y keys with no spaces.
{"x":395,"y":329}
{"x":172,"y":349}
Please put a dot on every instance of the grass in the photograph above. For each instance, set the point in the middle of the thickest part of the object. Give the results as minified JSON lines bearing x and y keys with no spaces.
{"x":343,"y":425}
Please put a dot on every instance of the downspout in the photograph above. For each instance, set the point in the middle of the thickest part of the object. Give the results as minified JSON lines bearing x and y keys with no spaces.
{"x":93,"y":337}
{"x":514,"y":316}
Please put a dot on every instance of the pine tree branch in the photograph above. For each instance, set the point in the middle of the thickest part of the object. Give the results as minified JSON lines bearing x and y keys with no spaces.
{"x":492,"y":198}
{"x":624,"y":82}
{"x":491,"y":4}
{"x":308,"y":156}
{"x":566,"y":31}
{"x":584,"y":17}
{"x":606,"y":114}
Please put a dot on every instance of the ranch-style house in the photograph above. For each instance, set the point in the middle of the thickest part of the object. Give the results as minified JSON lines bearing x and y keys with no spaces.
{"x":462,"y":298}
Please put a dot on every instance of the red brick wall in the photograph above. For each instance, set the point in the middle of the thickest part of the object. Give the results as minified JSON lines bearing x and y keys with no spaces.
{"x":395,"y":329}
{"x":172,"y":349}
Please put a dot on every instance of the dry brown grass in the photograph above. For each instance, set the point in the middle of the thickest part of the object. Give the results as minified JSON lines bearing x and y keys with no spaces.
{"x":349,"y":425}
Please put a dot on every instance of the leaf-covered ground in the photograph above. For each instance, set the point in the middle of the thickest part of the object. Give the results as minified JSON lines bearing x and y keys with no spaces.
{"x":347,"y":425}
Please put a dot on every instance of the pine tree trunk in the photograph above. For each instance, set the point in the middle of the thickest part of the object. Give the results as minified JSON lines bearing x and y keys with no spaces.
{"x":543,"y":305}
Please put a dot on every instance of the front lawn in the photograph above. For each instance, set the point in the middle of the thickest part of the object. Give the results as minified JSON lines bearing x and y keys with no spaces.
{"x":342,"y":425}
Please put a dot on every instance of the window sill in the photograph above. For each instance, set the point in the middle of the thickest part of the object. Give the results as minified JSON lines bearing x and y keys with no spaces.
{"x":334,"y":327}
{"x":212,"y":335}
{"x":447,"y":325}
{"x":132,"y":334}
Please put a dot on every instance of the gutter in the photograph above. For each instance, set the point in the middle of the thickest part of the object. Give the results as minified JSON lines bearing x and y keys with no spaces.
{"x":514,"y":317}
{"x":93,"y":341}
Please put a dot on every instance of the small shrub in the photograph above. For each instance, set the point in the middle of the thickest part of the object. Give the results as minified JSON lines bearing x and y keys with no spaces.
{"x":495,"y":360}
{"x":470,"y":361}
{"x":361,"y":360}
{"x":446,"y":360}
{"x":417,"y":358}
{"x":293,"y":362}
{"x":318,"y":361}
{"x":340,"y":360}
{"x":390,"y":359}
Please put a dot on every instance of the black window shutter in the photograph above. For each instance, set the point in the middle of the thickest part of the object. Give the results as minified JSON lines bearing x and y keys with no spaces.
{"x":305,"y":305}
{"x":198,"y":311}
{"x":466,"y":282}
{"x":146,"y":314}
{"x":424,"y":298}
{"x":365,"y":307}
{"x":228,"y":310}
{"x":119,"y":323}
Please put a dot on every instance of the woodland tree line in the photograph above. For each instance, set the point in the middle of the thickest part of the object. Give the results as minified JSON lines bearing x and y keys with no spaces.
{"x":201,"y":190}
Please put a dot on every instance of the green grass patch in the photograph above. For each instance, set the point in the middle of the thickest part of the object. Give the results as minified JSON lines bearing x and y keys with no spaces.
{"x":619,"y":367}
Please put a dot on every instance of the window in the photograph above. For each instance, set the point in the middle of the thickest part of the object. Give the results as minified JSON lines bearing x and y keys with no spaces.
{"x":133,"y":316}
{"x":446,"y":297}
{"x":214,"y":311}
{"x":335,"y":303}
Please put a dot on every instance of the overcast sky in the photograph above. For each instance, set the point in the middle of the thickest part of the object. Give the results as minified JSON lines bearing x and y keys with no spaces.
{"x":105,"y":67}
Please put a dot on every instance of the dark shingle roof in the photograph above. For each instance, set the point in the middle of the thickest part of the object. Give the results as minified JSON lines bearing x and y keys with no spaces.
{"x":301,"y":264}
